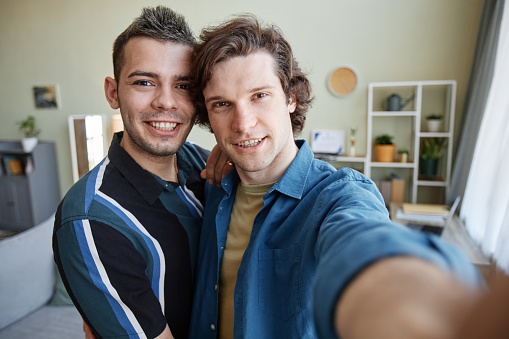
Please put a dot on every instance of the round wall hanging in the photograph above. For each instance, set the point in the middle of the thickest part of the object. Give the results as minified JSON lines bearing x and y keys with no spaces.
{"x":342,"y":81}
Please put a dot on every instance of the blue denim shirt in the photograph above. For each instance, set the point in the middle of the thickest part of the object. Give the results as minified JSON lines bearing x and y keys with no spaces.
{"x":318,"y":228}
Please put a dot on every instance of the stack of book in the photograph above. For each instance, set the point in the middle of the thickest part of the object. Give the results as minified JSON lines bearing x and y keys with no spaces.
{"x":423,"y":213}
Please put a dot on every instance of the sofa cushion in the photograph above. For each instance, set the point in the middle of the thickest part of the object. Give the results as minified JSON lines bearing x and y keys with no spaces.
{"x":48,"y":322}
{"x":61,"y":297}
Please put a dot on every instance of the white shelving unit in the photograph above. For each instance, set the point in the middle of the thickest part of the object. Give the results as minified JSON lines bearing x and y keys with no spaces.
{"x":345,"y":159}
{"x":429,"y":97}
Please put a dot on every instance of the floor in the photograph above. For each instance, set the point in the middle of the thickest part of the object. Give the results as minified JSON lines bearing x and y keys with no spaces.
{"x":458,"y":235}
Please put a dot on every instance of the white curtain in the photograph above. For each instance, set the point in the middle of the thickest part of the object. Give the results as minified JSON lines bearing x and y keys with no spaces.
{"x":485,"y":209}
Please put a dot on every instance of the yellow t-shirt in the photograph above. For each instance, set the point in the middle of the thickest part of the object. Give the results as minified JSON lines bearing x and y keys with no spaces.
{"x":248,"y":202}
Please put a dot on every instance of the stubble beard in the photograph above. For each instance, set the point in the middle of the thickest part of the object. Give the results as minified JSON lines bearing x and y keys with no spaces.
{"x":164,"y":147}
{"x":275,"y":148}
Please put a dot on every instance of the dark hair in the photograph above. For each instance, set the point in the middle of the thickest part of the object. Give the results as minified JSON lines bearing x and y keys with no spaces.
{"x":242,"y":36}
{"x":160,"y":23}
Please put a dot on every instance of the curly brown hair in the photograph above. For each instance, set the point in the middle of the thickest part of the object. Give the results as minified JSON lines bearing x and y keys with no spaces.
{"x":242,"y":36}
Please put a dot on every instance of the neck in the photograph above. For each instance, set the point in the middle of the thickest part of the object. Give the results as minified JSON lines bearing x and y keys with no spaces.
{"x":274,"y":171}
{"x":164,"y":167}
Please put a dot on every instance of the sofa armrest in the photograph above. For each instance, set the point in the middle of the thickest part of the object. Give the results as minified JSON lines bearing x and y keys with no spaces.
{"x":27,"y":272}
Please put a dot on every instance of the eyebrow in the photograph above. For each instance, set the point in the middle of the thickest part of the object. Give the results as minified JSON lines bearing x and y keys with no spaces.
{"x":143,"y":74}
{"x":213,"y":99}
{"x":261,"y":88}
{"x":253,"y":90}
{"x":156,"y":76}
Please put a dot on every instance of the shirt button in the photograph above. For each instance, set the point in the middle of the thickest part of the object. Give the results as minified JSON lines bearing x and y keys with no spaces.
{"x":212,"y":327}
{"x":215,"y":287}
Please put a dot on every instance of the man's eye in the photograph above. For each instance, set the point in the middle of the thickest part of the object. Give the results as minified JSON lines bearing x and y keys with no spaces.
{"x":220,"y":104}
{"x":142,"y":83}
{"x":260,"y":95}
{"x":183,"y":86}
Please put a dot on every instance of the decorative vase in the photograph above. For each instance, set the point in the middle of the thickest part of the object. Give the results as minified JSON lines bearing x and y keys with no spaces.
{"x":385,"y":153}
{"x":352,"y":146}
{"x":403,"y":157}
{"x":428,"y":168}
{"x":433,"y":125}
{"x":29,"y":144}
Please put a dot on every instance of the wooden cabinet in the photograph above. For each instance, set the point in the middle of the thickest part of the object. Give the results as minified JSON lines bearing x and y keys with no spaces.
{"x":29,"y":186}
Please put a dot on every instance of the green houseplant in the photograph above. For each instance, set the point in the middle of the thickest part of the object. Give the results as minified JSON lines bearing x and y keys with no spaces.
{"x":29,"y":130}
{"x":432,"y":150}
{"x":384,"y":148}
{"x":433,"y":122}
{"x":403,"y":155}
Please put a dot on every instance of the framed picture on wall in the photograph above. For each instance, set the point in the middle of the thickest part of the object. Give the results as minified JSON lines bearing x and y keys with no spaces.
{"x":328,"y":141}
{"x":46,"y":97}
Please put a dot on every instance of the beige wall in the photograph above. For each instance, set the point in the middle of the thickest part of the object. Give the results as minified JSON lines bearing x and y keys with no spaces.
{"x":69,"y":43}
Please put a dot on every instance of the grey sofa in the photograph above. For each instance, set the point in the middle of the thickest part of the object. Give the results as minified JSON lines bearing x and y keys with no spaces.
{"x":32,"y":301}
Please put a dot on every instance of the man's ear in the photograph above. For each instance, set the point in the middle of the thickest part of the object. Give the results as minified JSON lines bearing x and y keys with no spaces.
{"x":110,"y":90}
{"x":292,"y":105}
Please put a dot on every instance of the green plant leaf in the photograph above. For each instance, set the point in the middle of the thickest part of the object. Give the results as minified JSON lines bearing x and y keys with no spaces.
{"x":432,"y":148}
{"x":28,"y":127}
{"x":384,"y":139}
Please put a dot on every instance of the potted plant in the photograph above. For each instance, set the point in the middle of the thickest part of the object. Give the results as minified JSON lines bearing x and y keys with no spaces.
{"x":28,"y":128}
{"x":433,"y":122}
{"x":403,"y":155}
{"x":384,"y":148}
{"x":432,"y":150}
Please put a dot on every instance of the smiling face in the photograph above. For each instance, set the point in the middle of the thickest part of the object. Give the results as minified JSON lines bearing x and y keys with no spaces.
{"x":250,"y":116}
{"x":152,"y":94}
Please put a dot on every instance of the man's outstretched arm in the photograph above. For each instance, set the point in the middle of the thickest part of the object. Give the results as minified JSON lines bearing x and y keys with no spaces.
{"x":403,"y":297}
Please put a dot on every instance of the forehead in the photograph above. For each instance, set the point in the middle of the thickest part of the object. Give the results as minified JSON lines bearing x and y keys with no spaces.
{"x":143,"y":53}
{"x":241,"y":71}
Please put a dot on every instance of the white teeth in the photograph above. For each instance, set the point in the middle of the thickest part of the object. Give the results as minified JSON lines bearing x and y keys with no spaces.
{"x":249,"y":143}
{"x":167,"y":126}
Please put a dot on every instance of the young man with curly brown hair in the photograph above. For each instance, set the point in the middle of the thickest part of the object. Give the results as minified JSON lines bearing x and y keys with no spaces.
{"x":291,"y":247}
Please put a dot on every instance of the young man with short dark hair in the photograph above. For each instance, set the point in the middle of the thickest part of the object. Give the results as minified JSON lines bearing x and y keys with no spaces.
{"x":126,"y":234}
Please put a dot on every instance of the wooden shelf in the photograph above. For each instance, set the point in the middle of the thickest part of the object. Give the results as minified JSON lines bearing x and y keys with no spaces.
{"x":393,"y":164}
{"x":341,"y":158}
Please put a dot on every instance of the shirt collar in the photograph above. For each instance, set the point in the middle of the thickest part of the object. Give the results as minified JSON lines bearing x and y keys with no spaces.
{"x":293,"y":181}
{"x":142,"y":180}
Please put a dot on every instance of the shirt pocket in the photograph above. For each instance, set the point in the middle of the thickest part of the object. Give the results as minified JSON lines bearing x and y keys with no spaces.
{"x":279,"y":281}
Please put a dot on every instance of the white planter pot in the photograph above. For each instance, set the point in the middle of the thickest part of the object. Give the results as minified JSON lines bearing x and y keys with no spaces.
{"x":29,"y":144}
{"x":433,"y":125}
{"x":403,"y":157}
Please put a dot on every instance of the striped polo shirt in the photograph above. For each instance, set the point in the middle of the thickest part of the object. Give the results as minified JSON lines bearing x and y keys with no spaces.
{"x":125,"y":243}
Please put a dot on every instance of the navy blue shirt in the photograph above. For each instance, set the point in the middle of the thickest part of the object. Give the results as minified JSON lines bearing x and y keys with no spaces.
{"x":125,"y":243}
{"x":318,"y":229}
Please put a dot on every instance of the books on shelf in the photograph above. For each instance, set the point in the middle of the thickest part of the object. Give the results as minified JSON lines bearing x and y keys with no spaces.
{"x":425,"y":208}
{"x":15,"y":165}
{"x":423,"y":213}
{"x":420,"y":217}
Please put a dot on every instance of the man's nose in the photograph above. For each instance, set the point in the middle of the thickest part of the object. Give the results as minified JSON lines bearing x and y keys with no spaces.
{"x":244,"y":118}
{"x":165,"y":99}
